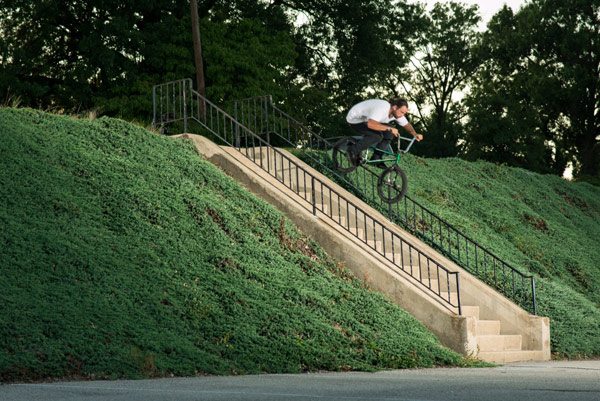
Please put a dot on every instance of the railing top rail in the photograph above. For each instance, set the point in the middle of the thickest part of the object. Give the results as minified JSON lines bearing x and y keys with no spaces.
{"x":173,"y":82}
{"x":299,"y":123}
{"x":283,"y":113}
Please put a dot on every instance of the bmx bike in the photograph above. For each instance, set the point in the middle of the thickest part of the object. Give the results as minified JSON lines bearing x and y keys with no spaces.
{"x":392,"y":182}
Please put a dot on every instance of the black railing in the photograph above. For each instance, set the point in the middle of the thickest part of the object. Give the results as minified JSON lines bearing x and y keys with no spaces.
{"x":265,"y":117}
{"x":170,"y":103}
{"x":319,"y":197}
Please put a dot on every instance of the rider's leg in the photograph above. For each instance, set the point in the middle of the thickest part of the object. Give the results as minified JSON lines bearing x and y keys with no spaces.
{"x":369,"y":138}
{"x":382,"y":145}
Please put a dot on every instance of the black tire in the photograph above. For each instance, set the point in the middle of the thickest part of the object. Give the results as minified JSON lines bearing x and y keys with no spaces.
{"x":341,"y":159}
{"x":392,"y":184}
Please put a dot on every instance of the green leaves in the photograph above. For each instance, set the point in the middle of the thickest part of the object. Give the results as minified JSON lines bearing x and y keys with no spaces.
{"x":445,"y":59}
{"x":244,"y":58}
{"x":543,"y":73}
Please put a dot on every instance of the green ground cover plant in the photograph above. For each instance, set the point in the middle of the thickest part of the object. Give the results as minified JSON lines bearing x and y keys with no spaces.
{"x":123,"y":254}
{"x":541,"y":224}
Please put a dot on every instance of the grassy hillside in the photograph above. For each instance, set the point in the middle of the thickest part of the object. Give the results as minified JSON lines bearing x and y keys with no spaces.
{"x":541,"y":224}
{"x":123,"y":254}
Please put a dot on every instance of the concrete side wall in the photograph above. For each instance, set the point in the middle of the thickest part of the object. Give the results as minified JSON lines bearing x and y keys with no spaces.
{"x":514,"y":320}
{"x":456,"y":332}
{"x":492,"y":305}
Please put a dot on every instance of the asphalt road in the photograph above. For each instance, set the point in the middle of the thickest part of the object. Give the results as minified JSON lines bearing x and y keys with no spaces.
{"x":549,"y":381}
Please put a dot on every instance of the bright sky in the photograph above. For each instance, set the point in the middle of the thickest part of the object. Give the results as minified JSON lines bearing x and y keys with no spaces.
{"x":487,"y":8}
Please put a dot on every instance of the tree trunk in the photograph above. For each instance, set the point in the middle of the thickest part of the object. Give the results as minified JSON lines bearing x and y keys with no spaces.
{"x":198,"y":56}
{"x":589,"y":156}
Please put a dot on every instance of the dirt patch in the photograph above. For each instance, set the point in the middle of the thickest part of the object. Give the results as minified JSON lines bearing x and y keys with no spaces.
{"x":573,"y":200}
{"x":295,"y":245}
{"x":537,"y":222}
{"x":216,"y":217}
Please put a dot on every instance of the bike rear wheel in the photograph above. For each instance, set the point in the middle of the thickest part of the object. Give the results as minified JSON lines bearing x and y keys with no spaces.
{"x":341,"y":159}
{"x":392,"y":184}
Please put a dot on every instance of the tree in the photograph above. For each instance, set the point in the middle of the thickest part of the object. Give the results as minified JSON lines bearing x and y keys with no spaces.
{"x":197,"y":49}
{"x":439,"y":70}
{"x":566,"y":53}
{"x":108,"y":54}
{"x":545,"y":65}
{"x":347,"y":50}
{"x":82,"y":54}
{"x":503,"y":122}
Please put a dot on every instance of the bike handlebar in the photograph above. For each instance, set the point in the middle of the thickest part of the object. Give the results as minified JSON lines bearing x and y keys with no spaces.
{"x":411,"y":140}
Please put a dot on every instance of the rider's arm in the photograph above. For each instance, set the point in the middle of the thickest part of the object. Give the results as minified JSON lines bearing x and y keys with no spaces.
{"x":377,"y":126}
{"x":412,"y":131}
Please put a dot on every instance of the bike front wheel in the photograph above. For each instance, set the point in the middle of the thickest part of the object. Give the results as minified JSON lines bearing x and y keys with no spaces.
{"x":341,"y":158}
{"x":392,"y":184}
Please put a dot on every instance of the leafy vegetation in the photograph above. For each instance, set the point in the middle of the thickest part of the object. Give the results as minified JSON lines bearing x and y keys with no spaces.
{"x":541,"y":224}
{"x":534,"y":101}
{"x":124,"y":254}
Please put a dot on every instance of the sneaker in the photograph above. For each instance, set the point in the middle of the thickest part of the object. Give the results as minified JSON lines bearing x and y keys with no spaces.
{"x":380,"y":165}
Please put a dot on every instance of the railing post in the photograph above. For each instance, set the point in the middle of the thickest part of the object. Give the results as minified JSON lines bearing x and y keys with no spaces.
{"x":185,"y":118}
{"x":154,"y":107}
{"x":237,"y":127}
{"x":458,"y":293}
{"x":313,"y":195}
{"x":533,"y":295}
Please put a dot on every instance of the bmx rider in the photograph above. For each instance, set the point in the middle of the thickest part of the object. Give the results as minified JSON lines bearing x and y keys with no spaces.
{"x":369,"y":118}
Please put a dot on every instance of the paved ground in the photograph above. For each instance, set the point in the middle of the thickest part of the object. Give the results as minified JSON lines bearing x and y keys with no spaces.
{"x":550,"y":381}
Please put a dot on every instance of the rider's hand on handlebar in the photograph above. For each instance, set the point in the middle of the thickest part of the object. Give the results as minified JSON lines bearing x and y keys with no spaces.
{"x":419,"y":137}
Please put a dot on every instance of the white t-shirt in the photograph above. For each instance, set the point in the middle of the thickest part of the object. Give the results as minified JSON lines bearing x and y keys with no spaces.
{"x":373,"y":109}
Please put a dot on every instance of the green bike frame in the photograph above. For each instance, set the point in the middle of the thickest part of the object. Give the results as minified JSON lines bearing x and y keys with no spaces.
{"x":389,"y":155}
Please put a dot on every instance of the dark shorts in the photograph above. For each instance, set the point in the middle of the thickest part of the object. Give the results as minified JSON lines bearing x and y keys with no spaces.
{"x":380,"y":139}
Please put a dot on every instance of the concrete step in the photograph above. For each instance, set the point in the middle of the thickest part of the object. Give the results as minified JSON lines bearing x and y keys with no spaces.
{"x":375,"y":244}
{"x":429,"y":276}
{"x":349,"y":219}
{"x":453,"y":298}
{"x":393,"y":247}
{"x":497,"y":343}
{"x":488,"y":327}
{"x":511,"y":356}
{"x":288,"y":173}
{"x":339,"y":208}
{"x":468,"y":310}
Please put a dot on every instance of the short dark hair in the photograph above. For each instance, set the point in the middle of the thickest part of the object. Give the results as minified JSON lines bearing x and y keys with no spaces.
{"x":399,"y":102}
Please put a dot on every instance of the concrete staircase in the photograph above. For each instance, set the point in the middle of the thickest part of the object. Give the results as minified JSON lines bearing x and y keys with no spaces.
{"x":491,"y":327}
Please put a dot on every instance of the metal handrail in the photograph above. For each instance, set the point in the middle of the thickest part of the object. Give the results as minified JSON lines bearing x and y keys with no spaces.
{"x":169,"y":103}
{"x":412,"y":215}
{"x":429,"y":274}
